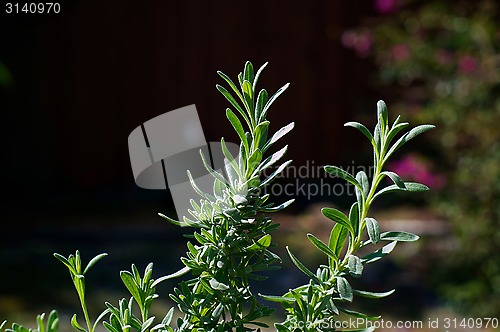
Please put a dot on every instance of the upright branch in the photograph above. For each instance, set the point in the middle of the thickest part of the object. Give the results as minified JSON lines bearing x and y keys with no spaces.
{"x":313,"y":306}
{"x":232,"y":230}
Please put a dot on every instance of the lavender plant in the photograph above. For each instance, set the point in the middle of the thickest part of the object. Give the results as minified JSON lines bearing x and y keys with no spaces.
{"x":314,"y":306}
{"x":122,"y":317}
{"x":233,"y":238}
{"x":49,"y":325}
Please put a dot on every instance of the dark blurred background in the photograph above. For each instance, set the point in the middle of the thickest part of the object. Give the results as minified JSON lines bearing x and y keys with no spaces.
{"x":75,"y":84}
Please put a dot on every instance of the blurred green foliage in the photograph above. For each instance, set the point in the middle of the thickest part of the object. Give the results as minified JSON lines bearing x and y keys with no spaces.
{"x":442,"y":61}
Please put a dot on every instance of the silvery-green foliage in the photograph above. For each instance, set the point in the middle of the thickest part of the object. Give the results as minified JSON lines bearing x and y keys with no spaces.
{"x":77,"y":273}
{"x":231,"y":243}
{"x":142,"y":289}
{"x":49,"y":325}
{"x":121,"y":318}
{"x":232,"y":238}
{"x":314,"y":306}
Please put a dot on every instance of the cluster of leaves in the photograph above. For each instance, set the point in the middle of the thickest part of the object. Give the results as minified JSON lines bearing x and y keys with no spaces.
{"x":233,"y":236}
{"x":51,"y":325}
{"x":442,"y":60}
{"x":313,"y":307}
{"x":122,"y":317}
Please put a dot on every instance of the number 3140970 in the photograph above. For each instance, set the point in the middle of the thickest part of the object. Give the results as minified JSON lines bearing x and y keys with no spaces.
{"x":32,"y":8}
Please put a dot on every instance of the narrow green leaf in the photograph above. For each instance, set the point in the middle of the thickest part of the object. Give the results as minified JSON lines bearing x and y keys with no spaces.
{"x":110,"y":327}
{"x":321,"y":246}
{"x":338,"y":217}
{"x":396,"y":128}
{"x":93,"y":261}
{"x":173,"y":221}
{"x":248,"y":72}
{"x":79,"y":282}
{"x":373,"y":228}
{"x":377,"y":136}
{"x":383,"y":113}
{"x":238,"y":127}
{"x":358,"y":314}
{"x":301,"y":266}
{"x":99,"y":318}
{"x":415,"y":187}
{"x":344,"y":289}
{"x":233,"y":102}
{"x":395,"y":178}
{"x":218,"y":285}
{"x":399,"y":236}
{"x":40,"y":323}
{"x":265,"y":241}
{"x":337,"y":171}
{"x":75,"y":325}
{"x":354,"y":216}
{"x":231,"y":84}
{"x":168,"y":317}
{"x":372,"y":295}
{"x":217,"y":311}
{"x":277,"y":135}
{"x":209,"y":168}
{"x":52,"y":322}
{"x":261,"y":101}
{"x":378,"y":254}
{"x":260,"y":134}
{"x":410,"y":187}
{"x":272,"y":159}
{"x":248,"y":94}
{"x":355,"y":266}
{"x":277,"y":208}
{"x":78,"y":262}
{"x":363,"y":130}
{"x":406,"y":137}
{"x":230,"y":165}
{"x":177,"y":274}
{"x":262,"y":243}
{"x":257,"y":75}
{"x":273,"y":175}
{"x":279,"y":299}
{"x":197,"y":189}
{"x":254,"y":161}
{"x":362,"y":178}
{"x":272,"y":99}
{"x":337,"y":239}
{"x":65,"y":262}
{"x":145,"y":326}
{"x":130,"y":282}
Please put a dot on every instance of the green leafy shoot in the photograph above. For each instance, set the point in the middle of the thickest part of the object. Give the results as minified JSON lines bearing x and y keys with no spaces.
{"x":351,"y":232}
{"x":74,"y":265}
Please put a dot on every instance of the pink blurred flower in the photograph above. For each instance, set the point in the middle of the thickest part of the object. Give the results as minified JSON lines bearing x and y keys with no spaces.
{"x":467,"y":64}
{"x":348,"y":39}
{"x":386,"y":6}
{"x":413,"y":168}
{"x":360,"y":42}
{"x":400,"y":52}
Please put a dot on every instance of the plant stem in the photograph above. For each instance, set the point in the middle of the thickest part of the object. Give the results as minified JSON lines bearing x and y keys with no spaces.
{"x":85,"y":312}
